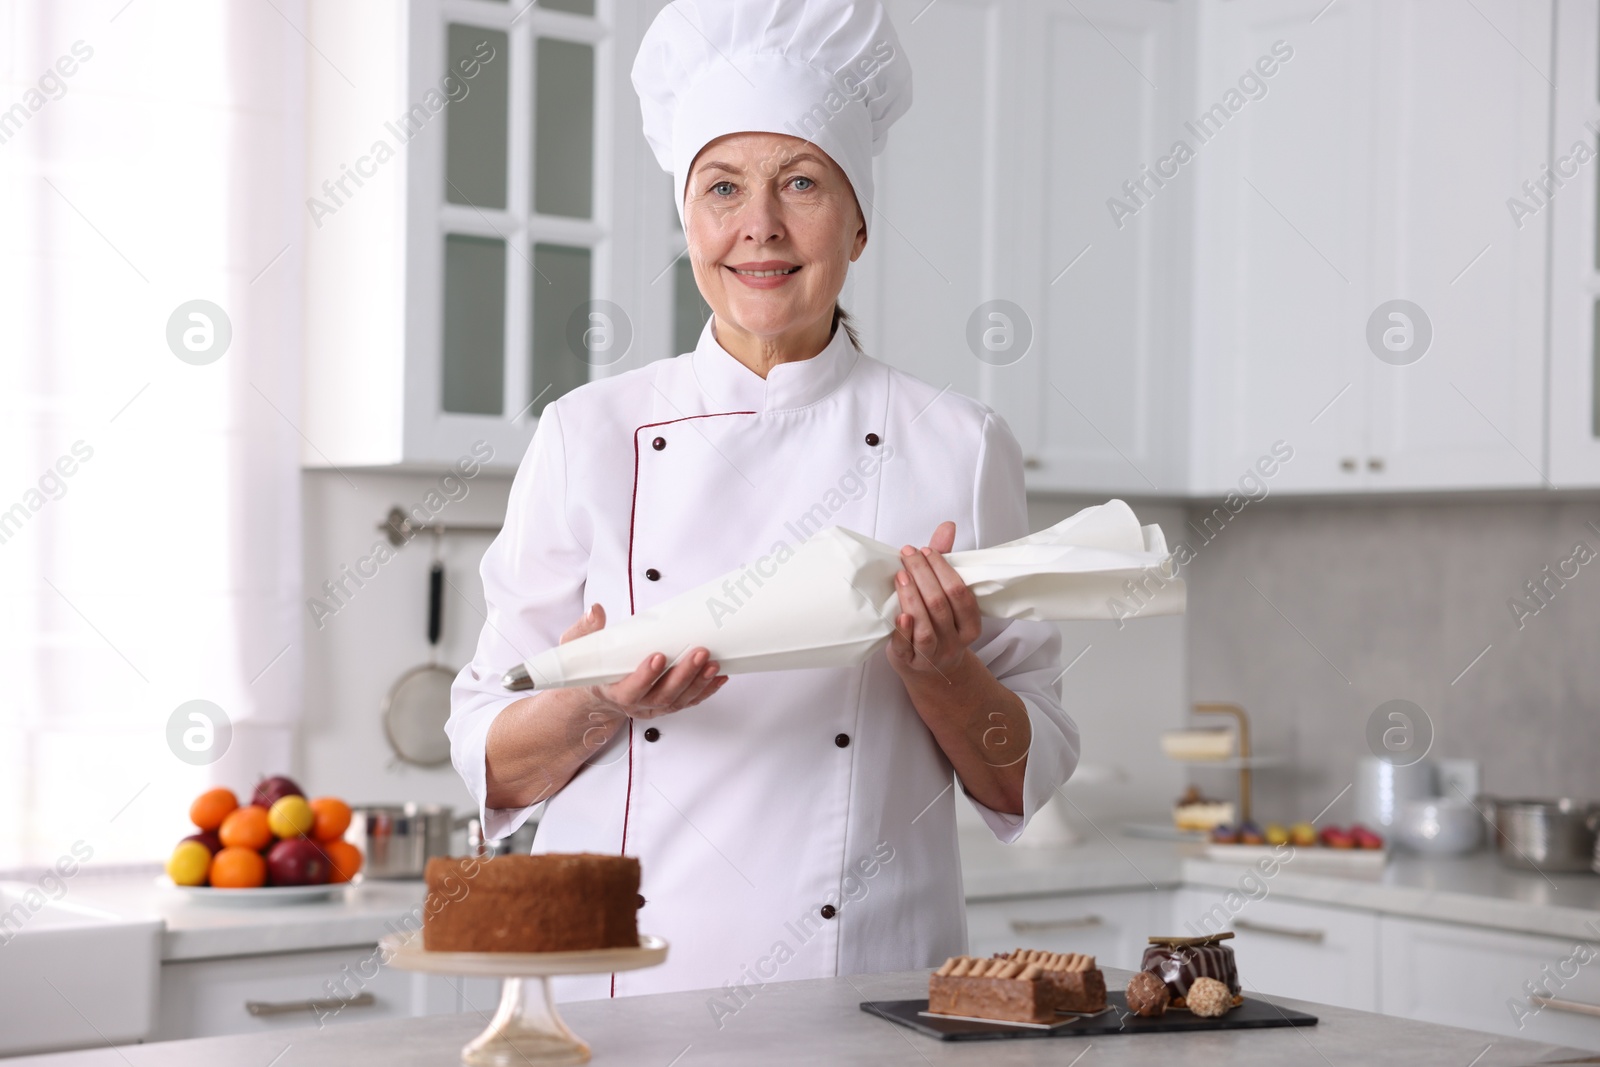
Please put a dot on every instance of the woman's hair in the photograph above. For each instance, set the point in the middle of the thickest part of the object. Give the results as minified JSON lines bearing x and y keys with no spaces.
{"x":841,"y":317}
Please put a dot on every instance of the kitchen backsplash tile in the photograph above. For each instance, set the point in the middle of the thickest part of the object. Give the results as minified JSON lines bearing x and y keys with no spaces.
{"x":1311,"y":615}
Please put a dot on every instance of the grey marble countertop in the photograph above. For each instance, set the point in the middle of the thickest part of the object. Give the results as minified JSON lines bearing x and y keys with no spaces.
{"x":820,"y":1022}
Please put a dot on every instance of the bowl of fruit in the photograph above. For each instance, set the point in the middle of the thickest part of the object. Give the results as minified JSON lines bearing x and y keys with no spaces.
{"x":280,"y":848}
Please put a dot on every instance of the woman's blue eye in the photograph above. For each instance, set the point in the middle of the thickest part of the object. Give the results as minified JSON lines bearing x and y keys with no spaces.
{"x":802,"y":178}
{"x":717,"y":187}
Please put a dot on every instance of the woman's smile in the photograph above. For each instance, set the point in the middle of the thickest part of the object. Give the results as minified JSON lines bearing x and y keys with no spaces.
{"x":764,"y":274}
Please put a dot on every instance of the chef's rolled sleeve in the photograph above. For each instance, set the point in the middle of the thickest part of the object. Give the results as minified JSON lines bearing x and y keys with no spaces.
{"x":533,"y":587}
{"x":1024,"y":654}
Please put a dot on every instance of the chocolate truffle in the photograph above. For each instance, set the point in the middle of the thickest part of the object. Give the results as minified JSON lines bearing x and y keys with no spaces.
{"x":1209,"y":998}
{"x":1147,"y":994}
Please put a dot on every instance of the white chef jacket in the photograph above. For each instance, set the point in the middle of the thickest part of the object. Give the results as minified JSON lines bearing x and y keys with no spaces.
{"x":797,"y":824}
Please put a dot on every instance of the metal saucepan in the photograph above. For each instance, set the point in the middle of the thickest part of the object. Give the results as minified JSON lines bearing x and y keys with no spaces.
{"x":399,"y":839}
{"x":1545,"y":835}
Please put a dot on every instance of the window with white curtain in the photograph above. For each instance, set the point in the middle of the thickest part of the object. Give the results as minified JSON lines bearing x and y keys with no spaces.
{"x":150,"y":158}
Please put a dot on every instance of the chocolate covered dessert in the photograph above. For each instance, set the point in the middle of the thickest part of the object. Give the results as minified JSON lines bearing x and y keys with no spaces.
{"x":552,"y":902}
{"x":1179,"y":961}
{"x":1027,"y":986}
{"x":1147,"y":994}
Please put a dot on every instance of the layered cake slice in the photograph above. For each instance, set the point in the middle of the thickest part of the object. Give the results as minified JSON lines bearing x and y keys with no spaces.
{"x":1180,"y":961}
{"x":1022,"y":986}
{"x":1079,"y":984}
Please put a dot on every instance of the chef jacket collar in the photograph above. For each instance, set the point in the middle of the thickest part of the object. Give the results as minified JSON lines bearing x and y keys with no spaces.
{"x":734,"y":387}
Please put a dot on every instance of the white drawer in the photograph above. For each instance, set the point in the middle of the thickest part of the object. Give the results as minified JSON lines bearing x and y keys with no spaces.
{"x":207,"y":998}
{"x":1291,"y":949}
{"x":1112,"y":927}
{"x":1466,"y":976}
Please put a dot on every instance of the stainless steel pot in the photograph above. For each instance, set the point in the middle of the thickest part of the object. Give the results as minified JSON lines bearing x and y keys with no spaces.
{"x":399,"y":839}
{"x":1545,"y":835}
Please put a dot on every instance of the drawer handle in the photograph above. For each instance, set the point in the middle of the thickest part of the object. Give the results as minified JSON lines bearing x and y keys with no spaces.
{"x":1314,"y":936}
{"x":1037,"y":926}
{"x":260,"y":1008}
{"x":1577,"y":1007}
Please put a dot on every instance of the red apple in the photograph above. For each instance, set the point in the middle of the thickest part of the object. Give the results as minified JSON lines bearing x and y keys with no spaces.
{"x":207,"y":838}
{"x":270,"y":790}
{"x":1333,"y":837}
{"x":296,"y":861}
{"x":1365,"y":838}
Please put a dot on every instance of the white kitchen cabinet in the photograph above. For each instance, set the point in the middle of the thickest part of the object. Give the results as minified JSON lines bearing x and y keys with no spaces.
{"x":470,"y":237}
{"x":1575,"y":248}
{"x":1028,"y":118}
{"x":1280,"y":242}
{"x":1484,"y":979}
{"x":205,"y":998}
{"x":1112,"y":927}
{"x":1375,"y":168}
{"x":1290,"y":948}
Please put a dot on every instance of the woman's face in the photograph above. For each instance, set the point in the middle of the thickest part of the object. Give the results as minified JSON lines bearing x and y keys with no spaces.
{"x":759,"y":202}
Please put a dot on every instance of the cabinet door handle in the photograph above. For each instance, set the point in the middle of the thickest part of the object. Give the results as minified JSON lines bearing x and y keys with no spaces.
{"x":1031,"y":463}
{"x":1347,"y":464}
{"x":1577,"y":1007}
{"x":260,"y":1008}
{"x":1375,"y":463}
{"x":1314,"y":936}
{"x":1038,"y":926}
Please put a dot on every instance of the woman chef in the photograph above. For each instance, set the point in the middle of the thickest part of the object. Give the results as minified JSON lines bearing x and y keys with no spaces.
{"x":791,"y":824}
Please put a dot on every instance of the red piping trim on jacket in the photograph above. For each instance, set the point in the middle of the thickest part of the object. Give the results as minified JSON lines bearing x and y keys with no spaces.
{"x":633,"y":511}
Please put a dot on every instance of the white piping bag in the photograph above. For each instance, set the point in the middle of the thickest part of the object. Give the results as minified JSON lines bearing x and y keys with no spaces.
{"x":832,"y":601}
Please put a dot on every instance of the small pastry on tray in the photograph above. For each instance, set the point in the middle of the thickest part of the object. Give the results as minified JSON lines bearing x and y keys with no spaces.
{"x":1182,"y":961}
{"x":1028,"y":986}
{"x":1147,"y":994}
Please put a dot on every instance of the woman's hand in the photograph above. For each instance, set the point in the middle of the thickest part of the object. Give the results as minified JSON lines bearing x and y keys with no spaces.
{"x":538,"y":743}
{"x":939,"y":615}
{"x":648,"y":692}
{"x":981,"y":726}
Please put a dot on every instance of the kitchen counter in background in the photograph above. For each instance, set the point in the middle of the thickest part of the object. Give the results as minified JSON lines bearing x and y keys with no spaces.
{"x":1475,"y":890}
{"x":820,"y":1021}
{"x":204,"y":931}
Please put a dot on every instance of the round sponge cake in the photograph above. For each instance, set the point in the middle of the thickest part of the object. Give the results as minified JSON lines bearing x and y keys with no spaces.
{"x":552,"y":902}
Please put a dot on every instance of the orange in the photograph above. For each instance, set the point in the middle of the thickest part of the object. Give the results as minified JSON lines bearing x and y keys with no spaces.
{"x":344,"y":860}
{"x":211,"y":807}
{"x":333,"y":818}
{"x":246,"y":827}
{"x":238,"y":868}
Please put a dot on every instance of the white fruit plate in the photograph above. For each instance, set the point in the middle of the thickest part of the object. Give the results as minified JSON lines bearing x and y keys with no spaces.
{"x":266,"y":896}
{"x":1303,"y":857}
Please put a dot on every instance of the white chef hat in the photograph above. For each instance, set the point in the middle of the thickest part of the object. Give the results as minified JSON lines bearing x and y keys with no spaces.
{"x":829,"y":71}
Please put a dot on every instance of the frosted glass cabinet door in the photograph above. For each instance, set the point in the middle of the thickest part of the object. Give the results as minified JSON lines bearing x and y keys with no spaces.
{"x":474,"y":325}
{"x":475,"y":138}
{"x":569,"y":334}
{"x":563,"y":129}
{"x":689,"y":308}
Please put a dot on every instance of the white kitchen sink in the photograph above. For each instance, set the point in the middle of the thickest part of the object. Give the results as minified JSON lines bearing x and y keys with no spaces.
{"x":71,"y":975}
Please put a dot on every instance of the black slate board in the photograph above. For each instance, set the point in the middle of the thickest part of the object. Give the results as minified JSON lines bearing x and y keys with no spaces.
{"x":1251,"y":1015}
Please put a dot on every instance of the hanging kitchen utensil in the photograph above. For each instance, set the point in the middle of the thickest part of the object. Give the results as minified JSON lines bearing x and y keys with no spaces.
{"x":418,"y":705}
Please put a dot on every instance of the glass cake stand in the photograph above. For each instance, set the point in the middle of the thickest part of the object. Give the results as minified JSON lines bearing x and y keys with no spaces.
{"x":525,"y":1030}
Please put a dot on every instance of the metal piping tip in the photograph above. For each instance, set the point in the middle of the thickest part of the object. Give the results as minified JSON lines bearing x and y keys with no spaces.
{"x":517,"y":678}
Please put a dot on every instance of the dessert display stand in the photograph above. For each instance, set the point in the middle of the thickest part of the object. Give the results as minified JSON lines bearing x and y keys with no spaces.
{"x":526,"y":1031}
